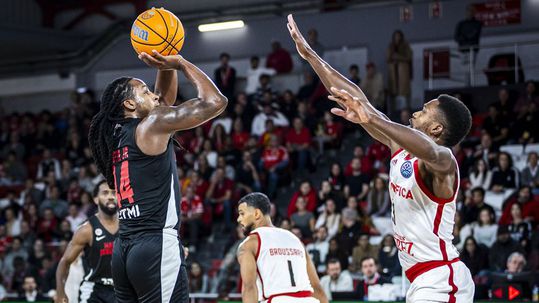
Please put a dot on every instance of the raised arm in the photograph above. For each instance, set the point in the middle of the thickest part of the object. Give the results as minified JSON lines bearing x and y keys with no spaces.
{"x":247,"y":260}
{"x":332,"y":78}
{"x":81,"y":238}
{"x":154,"y":131}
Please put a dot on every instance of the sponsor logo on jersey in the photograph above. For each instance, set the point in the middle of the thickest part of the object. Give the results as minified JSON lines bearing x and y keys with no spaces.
{"x":98,"y":232}
{"x":406,"y":169}
{"x":403,"y":245}
{"x":129,"y":212}
{"x":394,"y":161}
{"x":99,"y":238}
{"x":107,"y":249}
{"x":401,"y":191}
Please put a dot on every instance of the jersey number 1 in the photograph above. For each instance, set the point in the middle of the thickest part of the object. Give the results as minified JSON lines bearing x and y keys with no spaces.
{"x":292,"y":281}
{"x":125,"y":191}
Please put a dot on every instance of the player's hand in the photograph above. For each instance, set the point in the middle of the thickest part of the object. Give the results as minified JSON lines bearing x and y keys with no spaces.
{"x":161,"y":62}
{"x":351,"y":108}
{"x":61,"y":299}
{"x":304,"y":49}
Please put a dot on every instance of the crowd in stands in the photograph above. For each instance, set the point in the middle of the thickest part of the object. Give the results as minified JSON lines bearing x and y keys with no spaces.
{"x":269,"y":140}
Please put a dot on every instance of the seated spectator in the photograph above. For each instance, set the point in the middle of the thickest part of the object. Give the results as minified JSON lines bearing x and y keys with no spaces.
{"x":527,"y":97}
{"x":329,"y":218}
{"x":298,"y":143}
{"x":350,"y":232}
{"x":474,"y":256}
{"x":373,"y":87}
{"x":524,"y":130}
{"x":318,"y":249}
{"x":192,"y":210}
{"x":484,"y":229}
{"x":288,"y":105}
{"x":30,"y":291}
{"x":481,"y":175}
{"x":380,"y":154}
{"x":48,"y":163}
{"x":336,"y":177}
{"x":353,"y":70}
{"x":530,"y":207}
{"x":389,"y":258}
{"x":15,"y":169}
{"x":327,"y":192}
{"x":516,"y":262}
{"x":279,"y":59}
{"x":239,"y":135}
{"x":16,"y":251}
{"x":224,"y":120}
{"x":530,"y":174}
{"x":307,"y":192}
{"x":378,"y":203}
{"x":336,"y":280}
{"x":303,"y":219}
{"x":247,"y":178}
{"x":230,"y":171}
{"x":253,"y":75}
{"x":259,"y":122}
{"x":75,"y":216}
{"x":270,"y":131}
{"x":57,"y":205}
{"x":496,"y":126}
{"x":351,"y":206}
{"x":369,"y":271}
{"x":12,"y":221}
{"x":486,"y":151}
{"x":208,"y":152}
{"x":504,"y":175}
{"x":363,"y":250}
{"x":357,"y":184}
{"x":274,"y":161}
{"x":473,"y":205}
{"x":366,"y":162}
{"x":217,"y":138}
{"x":47,"y":226}
{"x":36,"y":195}
{"x":335,"y":252}
{"x":198,"y":280}
{"x":219,"y":195}
{"x":264,"y":92}
{"x":203,"y":167}
{"x":519,"y":228}
{"x":504,"y":105}
{"x":74,"y":190}
{"x":502,"y":249}
{"x":195,"y":144}
{"x":329,"y":134}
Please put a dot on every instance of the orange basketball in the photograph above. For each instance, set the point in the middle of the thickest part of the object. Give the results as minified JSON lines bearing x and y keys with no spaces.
{"x":157,"y":29}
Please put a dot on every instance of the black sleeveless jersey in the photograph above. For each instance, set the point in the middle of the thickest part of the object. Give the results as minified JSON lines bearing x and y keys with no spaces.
{"x":147,"y":187}
{"x":97,"y":258}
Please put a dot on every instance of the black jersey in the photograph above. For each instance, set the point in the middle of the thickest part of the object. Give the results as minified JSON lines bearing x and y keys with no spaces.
{"x":147,"y":187}
{"x":97,"y":258}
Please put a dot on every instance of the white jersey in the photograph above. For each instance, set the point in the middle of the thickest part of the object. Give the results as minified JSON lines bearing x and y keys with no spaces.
{"x":281,"y":264}
{"x":422,"y":223}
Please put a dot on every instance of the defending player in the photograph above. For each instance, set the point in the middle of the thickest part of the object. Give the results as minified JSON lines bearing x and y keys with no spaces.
{"x":275,"y":266}
{"x":95,"y":238}
{"x":424,"y":180}
{"x":131,"y":140}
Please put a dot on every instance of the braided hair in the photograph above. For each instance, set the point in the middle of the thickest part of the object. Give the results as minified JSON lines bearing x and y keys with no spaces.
{"x":111,"y":112}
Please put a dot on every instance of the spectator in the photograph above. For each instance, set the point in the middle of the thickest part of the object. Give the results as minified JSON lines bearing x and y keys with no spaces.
{"x":380,"y":154}
{"x":529,"y":206}
{"x":474,"y":204}
{"x":198,"y":280}
{"x":75,"y":216}
{"x":496,"y":126}
{"x":329,"y":218}
{"x":484,"y":231}
{"x":389,"y":258}
{"x":480,"y":176}
{"x":219,"y":195}
{"x":239,"y":135}
{"x":504,"y":176}
{"x":369,"y":271}
{"x":357,"y":184}
{"x":351,"y":206}
{"x":329,"y":133}
{"x":334,"y":252}
{"x":312,"y":39}
{"x":336,"y":176}
{"x":350,"y":231}
{"x":303,"y":219}
{"x":15,"y":169}
{"x":399,"y":62}
{"x":524,"y":130}
{"x":14,"y":146}
{"x":530,"y":174}
{"x":270,"y":131}
{"x":318,"y":249}
{"x":307,"y":192}
{"x":378,"y":203}
{"x":279,"y":59}
{"x":504,"y":105}
{"x":502,"y":248}
{"x":264,"y":93}
{"x":31,"y":292}
{"x":16,"y":251}
{"x":354,"y":74}
{"x":486,"y":150}
{"x":336,"y":280}
{"x":516,"y":262}
{"x":218,"y":137}
{"x":225,"y":77}
{"x":467,"y":34}
{"x":274,"y":161}
{"x":373,"y":87}
{"x":209,"y":153}
{"x":247,"y":178}
{"x":48,"y":163}
{"x":12,"y":222}
{"x":30,"y":191}
{"x":253,"y":75}
{"x":327,"y":192}
{"x":366,"y":162}
{"x":224,"y":120}
{"x":520,"y":230}
{"x":28,"y":236}
{"x":363,"y":250}
{"x":474,"y":256}
{"x":259,"y":122}
{"x":47,"y":226}
{"x":192,"y":210}
{"x":289,"y":105}
{"x":298,"y":143}
{"x":57,"y":205}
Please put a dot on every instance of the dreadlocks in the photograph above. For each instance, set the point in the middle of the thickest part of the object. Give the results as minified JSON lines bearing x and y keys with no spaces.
{"x":101,"y":131}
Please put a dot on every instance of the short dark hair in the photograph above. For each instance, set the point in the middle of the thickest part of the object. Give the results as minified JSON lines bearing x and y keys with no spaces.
{"x":333,"y":261}
{"x":255,"y":58}
{"x":222,"y":55}
{"x":457,"y":117}
{"x":479,"y":189}
{"x":354,"y":66}
{"x":96,"y":188}
{"x":367,"y":258}
{"x":257,"y":200}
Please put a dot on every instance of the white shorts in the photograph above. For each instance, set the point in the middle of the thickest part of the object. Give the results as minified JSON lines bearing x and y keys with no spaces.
{"x":451,"y":283}
{"x":287,"y":299}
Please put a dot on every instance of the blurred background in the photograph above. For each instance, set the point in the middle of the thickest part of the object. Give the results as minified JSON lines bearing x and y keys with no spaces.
{"x":328,"y":182}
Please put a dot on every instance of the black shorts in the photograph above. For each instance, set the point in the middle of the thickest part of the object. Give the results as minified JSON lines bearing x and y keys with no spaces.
{"x":150,"y":268}
{"x":91,"y":292}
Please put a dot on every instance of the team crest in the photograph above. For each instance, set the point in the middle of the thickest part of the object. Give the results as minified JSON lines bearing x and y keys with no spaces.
{"x":406,"y":169}
{"x":98,"y":232}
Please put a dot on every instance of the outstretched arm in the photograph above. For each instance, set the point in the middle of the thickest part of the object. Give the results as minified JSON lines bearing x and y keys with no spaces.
{"x":315,"y":281}
{"x":81,"y":238}
{"x":246,"y":258}
{"x":332,"y":78}
{"x":154,"y":131}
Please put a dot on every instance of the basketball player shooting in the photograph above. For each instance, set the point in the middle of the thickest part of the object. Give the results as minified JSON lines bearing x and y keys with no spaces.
{"x":131,"y":141}
{"x":274,"y":265}
{"x":424,"y":180}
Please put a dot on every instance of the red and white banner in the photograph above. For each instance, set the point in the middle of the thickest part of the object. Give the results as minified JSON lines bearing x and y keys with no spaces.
{"x":498,"y":12}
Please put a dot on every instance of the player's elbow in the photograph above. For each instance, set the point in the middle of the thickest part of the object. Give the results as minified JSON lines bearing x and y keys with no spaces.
{"x":219,"y":102}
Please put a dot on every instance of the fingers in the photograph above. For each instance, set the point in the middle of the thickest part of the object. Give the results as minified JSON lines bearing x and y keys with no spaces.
{"x":158,"y":56}
{"x":338,"y":112}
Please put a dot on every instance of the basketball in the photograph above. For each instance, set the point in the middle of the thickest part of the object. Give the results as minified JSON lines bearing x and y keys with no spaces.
{"x":157,"y":29}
